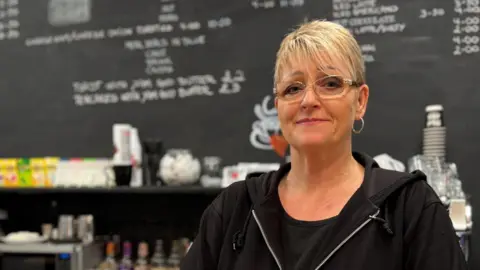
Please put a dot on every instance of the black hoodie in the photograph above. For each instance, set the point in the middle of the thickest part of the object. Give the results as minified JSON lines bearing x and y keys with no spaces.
{"x":393,"y":221}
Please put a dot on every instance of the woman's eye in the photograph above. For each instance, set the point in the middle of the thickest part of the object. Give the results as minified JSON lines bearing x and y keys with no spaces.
{"x":331,"y":83}
{"x":292,"y":89}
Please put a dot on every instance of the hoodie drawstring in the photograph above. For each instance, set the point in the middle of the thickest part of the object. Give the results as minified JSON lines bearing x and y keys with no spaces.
{"x":385,"y":222}
{"x":239,"y":237}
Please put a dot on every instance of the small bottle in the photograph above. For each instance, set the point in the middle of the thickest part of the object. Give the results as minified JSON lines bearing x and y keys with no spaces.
{"x":118,"y":246}
{"x":142,"y":263}
{"x":126,"y":262}
{"x":175,"y":256}
{"x":158,"y":260}
{"x":109,"y":263}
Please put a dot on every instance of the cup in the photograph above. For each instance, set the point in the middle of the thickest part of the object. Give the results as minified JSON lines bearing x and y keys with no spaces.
{"x":47,"y":230}
{"x":123,"y":174}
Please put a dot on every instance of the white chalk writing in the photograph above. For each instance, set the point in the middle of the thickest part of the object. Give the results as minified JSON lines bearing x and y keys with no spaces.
{"x":231,"y":83}
{"x":116,"y":85}
{"x":435,"y":12}
{"x":93,"y":99}
{"x":380,"y":29}
{"x":268,"y":4}
{"x":65,"y":38}
{"x":87,"y":86}
{"x":149,"y":42}
{"x":219,"y":23}
{"x":190,"y":26}
{"x":167,"y":13}
{"x":368,"y":52}
{"x":154,"y":28}
{"x":9,"y":23}
{"x":120,"y":32}
{"x":366,"y":17}
{"x":466,"y":27}
{"x":143,"y":90}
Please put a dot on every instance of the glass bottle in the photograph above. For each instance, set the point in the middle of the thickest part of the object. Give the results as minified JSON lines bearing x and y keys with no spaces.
{"x":158,"y":260}
{"x":175,"y":256}
{"x":142,"y":263}
{"x":126,"y":262}
{"x":109,"y":263}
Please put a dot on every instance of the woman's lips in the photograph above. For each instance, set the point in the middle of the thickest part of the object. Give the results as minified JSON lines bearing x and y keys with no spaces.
{"x":310,"y":121}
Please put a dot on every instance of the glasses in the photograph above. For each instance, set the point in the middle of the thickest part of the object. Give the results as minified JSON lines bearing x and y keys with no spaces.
{"x":328,"y":87}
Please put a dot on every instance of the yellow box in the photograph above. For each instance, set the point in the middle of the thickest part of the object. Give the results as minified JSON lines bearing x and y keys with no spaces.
{"x":11,"y":172}
{"x":2,"y":172}
{"x":50,"y":170}
{"x":38,"y":172}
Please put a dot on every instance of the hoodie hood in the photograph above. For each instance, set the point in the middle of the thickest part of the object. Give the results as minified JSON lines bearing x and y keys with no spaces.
{"x":377,"y":184}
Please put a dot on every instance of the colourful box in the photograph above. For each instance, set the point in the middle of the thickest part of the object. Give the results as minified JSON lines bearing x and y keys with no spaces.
{"x":24,"y":172}
{"x":10,"y":172}
{"x":50,"y":170}
{"x":38,"y":171}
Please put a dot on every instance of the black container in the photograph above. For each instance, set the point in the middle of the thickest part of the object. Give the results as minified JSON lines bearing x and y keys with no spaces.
{"x":123,"y":174}
{"x":154,"y":151}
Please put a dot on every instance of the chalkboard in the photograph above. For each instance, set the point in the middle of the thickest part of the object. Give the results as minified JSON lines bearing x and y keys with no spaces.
{"x":198,"y":74}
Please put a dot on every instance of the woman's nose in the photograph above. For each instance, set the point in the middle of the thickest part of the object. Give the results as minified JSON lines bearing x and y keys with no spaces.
{"x":310,"y":98}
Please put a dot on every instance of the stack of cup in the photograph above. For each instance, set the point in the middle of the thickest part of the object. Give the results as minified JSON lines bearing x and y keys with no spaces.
{"x":434,"y":133}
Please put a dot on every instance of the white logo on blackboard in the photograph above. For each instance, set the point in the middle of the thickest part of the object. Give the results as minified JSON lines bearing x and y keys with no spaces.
{"x":266,"y":125}
{"x":67,"y":12}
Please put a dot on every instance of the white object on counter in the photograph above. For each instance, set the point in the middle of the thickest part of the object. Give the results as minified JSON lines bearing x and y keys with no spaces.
{"x":121,"y":144}
{"x":23,"y":237}
{"x":81,"y":173}
{"x":179,"y":167}
{"x":385,"y":161}
{"x":136,"y":151}
{"x":231,"y":174}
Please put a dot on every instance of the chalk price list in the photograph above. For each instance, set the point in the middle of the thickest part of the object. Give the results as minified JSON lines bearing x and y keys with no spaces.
{"x":466,"y":27}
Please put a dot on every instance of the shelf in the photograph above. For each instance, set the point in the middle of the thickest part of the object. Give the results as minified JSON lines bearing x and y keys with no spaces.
{"x":114,"y":190}
{"x":37,"y":248}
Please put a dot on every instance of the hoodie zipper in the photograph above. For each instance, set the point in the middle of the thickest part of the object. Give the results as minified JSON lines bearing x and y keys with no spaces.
{"x":330,"y":254}
{"x":347,"y":238}
{"x":266,"y":240}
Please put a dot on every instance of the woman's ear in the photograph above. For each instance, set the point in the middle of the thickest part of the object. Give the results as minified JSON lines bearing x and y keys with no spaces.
{"x":362,"y":101}
{"x":276,"y":103}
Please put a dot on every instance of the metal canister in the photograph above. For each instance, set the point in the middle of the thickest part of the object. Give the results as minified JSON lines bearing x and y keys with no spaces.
{"x":85,"y":228}
{"x":66,"y":227}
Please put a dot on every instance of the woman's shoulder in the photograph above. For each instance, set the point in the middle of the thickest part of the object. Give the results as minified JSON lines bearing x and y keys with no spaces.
{"x":244,"y":193}
{"x":415,"y":188}
{"x":414,"y":198}
{"x":421,"y":193}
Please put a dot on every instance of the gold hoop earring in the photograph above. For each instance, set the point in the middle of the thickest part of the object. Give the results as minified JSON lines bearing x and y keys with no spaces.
{"x":358,"y":131}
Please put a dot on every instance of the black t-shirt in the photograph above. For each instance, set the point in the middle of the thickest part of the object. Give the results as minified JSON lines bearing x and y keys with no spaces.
{"x":297,"y":236}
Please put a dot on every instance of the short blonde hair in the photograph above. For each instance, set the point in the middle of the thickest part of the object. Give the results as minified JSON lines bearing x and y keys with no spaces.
{"x":319,"y":39}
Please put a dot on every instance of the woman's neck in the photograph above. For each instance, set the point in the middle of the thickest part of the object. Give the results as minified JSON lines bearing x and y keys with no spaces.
{"x":322,"y":169}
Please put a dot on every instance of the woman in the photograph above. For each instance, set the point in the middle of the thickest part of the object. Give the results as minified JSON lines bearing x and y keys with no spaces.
{"x":329,"y":208}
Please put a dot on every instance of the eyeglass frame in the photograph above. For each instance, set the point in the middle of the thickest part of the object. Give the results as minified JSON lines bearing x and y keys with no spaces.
{"x":349,"y":82}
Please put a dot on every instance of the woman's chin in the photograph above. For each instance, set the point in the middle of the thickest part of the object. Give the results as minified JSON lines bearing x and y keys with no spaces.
{"x":312,"y":141}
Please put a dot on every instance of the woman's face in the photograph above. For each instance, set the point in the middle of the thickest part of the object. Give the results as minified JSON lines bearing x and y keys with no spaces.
{"x":313,"y":120}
